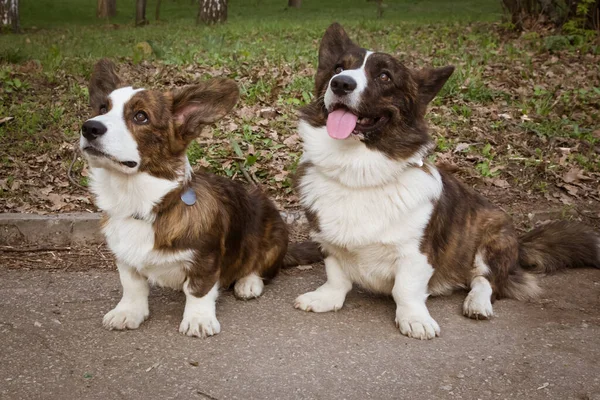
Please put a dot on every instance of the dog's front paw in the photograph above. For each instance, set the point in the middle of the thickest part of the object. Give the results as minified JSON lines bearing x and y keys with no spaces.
{"x":320,"y":301}
{"x":199,"y":325}
{"x":125,"y":317}
{"x":417,"y":325}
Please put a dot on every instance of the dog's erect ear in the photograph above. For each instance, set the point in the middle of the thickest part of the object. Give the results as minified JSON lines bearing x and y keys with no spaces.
{"x":431,"y":80}
{"x":334,"y":43}
{"x":103,"y":81}
{"x":202,"y":104}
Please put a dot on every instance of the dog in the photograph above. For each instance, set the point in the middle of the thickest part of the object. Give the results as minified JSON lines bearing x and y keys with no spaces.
{"x":166,"y":225}
{"x":389,"y":220}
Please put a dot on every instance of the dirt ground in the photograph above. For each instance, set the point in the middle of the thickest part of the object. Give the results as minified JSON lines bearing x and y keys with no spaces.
{"x":54,"y":346}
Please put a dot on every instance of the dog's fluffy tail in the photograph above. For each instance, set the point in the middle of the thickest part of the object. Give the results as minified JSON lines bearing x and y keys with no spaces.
{"x":550,"y":248}
{"x":302,"y":253}
{"x":559,"y":245}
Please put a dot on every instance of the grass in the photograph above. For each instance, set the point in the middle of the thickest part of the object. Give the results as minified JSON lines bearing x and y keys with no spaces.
{"x":256,"y":30}
{"x":271,"y":51}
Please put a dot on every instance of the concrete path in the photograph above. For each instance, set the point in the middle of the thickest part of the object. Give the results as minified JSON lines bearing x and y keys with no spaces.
{"x":52,"y":345}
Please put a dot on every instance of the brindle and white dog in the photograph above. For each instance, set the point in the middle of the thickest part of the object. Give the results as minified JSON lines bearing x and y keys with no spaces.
{"x":195,"y":232}
{"x":392,"y":222}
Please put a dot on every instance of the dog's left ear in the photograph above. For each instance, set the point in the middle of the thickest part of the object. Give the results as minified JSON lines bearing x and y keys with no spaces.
{"x":334,"y":43}
{"x":430,"y":81}
{"x":103,"y":81}
{"x":202,"y":104}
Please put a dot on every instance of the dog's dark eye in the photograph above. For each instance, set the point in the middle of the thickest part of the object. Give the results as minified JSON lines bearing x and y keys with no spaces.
{"x":384,"y":77}
{"x":140,"y":117}
{"x":338,"y":69}
{"x":103,"y":109}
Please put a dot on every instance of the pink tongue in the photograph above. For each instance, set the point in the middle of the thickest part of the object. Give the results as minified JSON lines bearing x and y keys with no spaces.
{"x":340,"y":124}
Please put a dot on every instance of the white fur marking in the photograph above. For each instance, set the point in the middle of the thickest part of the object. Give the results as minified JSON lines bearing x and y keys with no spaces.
{"x":132,"y":310}
{"x":478,"y":303}
{"x":249,"y":287}
{"x":331,"y":295}
{"x":481,"y":268}
{"x":353,"y":99}
{"x":352,"y":164}
{"x":199,"y":316}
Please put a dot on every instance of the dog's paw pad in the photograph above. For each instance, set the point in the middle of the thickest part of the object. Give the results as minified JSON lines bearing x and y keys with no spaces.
{"x":121,"y":318}
{"x":200,"y":325}
{"x":418,"y":327}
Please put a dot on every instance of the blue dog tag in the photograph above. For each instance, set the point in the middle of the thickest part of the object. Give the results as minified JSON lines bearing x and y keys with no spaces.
{"x":189,"y":197}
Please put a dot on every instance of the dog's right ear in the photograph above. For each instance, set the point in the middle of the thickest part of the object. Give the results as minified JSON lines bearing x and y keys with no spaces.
{"x":335,"y":42}
{"x":202,"y":104}
{"x":103,"y":81}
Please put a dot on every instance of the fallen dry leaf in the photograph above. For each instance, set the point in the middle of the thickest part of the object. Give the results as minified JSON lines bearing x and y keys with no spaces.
{"x":461,"y":147}
{"x":292,"y":140}
{"x":57,"y":201}
{"x":501,"y":183}
{"x":5,"y":120}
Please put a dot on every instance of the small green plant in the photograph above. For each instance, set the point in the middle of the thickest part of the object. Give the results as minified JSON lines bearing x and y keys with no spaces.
{"x":442,"y":144}
{"x":10,"y":84}
{"x":485,"y":170}
{"x":487,"y":151}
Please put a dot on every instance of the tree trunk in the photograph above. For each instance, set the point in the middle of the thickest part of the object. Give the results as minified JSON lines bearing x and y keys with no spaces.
{"x":106,"y":8}
{"x":380,"y":7}
{"x":212,"y":11}
{"x":112,"y":8}
{"x":294,"y":3}
{"x":140,"y":13}
{"x":157,"y":15}
{"x":9,"y":14}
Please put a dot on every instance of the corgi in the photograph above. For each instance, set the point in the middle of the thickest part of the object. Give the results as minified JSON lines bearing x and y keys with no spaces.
{"x":389,"y":220}
{"x":166,"y":225}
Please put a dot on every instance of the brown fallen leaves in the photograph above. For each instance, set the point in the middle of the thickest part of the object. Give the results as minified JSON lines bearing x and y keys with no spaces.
{"x":518,"y":128}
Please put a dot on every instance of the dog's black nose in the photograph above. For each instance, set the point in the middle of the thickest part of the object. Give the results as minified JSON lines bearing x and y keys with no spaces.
{"x":92,"y":129}
{"x":342,"y":85}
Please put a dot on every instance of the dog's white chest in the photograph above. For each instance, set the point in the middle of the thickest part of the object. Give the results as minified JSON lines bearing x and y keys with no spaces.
{"x":132,"y":242}
{"x":356,"y":217}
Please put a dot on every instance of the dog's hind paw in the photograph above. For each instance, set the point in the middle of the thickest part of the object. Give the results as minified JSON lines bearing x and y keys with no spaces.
{"x":478,"y":306}
{"x":249,"y":287}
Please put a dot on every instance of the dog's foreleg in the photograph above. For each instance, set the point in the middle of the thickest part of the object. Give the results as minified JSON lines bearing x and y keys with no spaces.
{"x":331,"y":295}
{"x":132,"y":310}
{"x":199,"y":316}
{"x":410,"y":293}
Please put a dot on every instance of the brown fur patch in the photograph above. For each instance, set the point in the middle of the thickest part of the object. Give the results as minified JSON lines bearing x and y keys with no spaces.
{"x":464,"y":224}
{"x":159,"y":147}
{"x":233,"y":232}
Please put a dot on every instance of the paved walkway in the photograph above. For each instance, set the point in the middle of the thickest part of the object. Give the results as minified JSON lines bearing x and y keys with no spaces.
{"x":52,"y":345}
